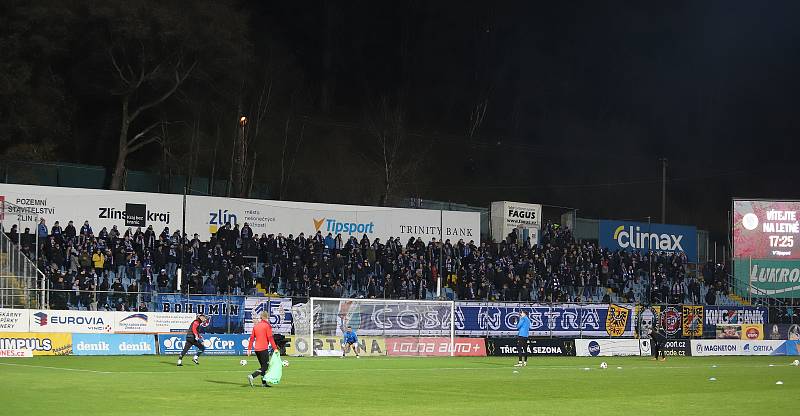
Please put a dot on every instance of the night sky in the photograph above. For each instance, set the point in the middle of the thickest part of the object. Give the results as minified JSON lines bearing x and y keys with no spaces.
{"x":580,"y":100}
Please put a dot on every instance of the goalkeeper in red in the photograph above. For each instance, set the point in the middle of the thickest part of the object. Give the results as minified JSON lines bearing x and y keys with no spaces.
{"x":262,"y":334}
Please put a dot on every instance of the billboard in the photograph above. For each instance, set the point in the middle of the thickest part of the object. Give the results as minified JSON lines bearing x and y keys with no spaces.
{"x":435,"y":347}
{"x":152,"y":322}
{"x":725,"y":315}
{"x":766,"y":229}
{"x":101,"y":208}
{"x":113,"y":344}
{"x":535,"y":347}
{"x":217,"y":344}
{"x":768,"y":277}
{"x":714,"y":347}
{"x":628,"y":235}
{"x":507,"y":216}
{"x":14,"y":320}
{"x":607,"y":347}
{"x":367,"y":346}
{"x":204,"y":215}
{"x":41,"y":343}
{"x":79,"y":322}
{"x":207,"y":214}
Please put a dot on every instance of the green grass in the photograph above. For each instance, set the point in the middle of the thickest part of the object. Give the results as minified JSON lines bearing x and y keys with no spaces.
{"x":383,"y":386}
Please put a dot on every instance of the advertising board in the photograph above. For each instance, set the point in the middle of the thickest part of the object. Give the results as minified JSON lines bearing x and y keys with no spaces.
{"x":435,"y":346}
{"x":507,"y":216}
{"x":14,"y":320}
{"x":41,"y":343}
{"x":641,"y":236}
{"x":367,"y":346}
{"x":226,"y":313}
{"x":113,"y":344}
{"x":607,"y":347}
{"x":766,"y":229}
{"x":152,"y":322}
{"x":535,"y":347}
{"x":81,"y":322}
{"x":766,"y":277}
{"x":216,"y":344}
{"x":714,"y":347}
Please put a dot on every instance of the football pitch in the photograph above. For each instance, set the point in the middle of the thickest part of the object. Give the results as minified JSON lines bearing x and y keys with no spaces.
{"x":401,"y":386}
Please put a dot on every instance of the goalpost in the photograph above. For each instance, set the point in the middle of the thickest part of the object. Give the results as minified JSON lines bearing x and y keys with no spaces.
{"x":406,"y":327}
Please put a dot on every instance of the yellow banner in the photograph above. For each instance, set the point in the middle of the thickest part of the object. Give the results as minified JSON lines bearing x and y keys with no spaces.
{"x":692,"y":317}
{"x":752,"y":332}
{"x":367,"y":346}
{"x":617,"y":320}
{"x":42,"y":343}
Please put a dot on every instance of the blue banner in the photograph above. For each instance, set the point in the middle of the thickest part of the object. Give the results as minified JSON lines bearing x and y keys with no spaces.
{"x":113,"y":344}
{"x":500,"y":319}
{"x":216,"y":344}
{"x":219,"y":308}
{"x":726,"y":315}
{"x":627,"y":235}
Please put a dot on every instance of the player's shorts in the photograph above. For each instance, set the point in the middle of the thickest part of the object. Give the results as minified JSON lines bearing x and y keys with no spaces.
{"x":522,"y":344}
{"x":263,"y":359}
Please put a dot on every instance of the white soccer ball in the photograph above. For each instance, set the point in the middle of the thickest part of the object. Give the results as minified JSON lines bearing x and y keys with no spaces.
{"x":796,"y":362}
{"x":603,"y":365}
{"x":285,"y":363}
{"x":242,"y":362}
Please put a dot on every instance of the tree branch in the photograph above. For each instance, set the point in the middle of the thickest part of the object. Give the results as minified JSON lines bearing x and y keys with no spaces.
{"x":179,"y":78}
{"x":142,"y":133}
{"x":143,"y":143}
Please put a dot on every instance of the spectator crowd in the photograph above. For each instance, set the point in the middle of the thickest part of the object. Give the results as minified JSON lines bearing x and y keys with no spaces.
{"x":121,"y":270}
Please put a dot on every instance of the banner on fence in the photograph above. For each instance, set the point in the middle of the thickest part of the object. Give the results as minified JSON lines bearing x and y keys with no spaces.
{"x":535,"y":346}
{"x":500,"y":319}
{"x":721,"y":315}
{"x":712,"y":347}
{"x":152,"y":322}
{"x":782,"y":331}
{"x":14,"y":320}
{"x":367,"y":346}
{"x":216,"y":344}
{"x":223,"y":310}
{"x":113,"y":344}
{"x":753,"y":332}
{"x":606,"y":347}
{"x":728,"y":331}
{"x":16,"y":353}
{"x":80,"y":322}
{"x":280,"y":313}
{"x":435,"y":346}
{"x":692,"y":321}
{"x":40,"y":343}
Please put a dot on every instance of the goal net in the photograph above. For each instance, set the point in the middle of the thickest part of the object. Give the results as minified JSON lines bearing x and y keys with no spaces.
{"x":383,"y":326}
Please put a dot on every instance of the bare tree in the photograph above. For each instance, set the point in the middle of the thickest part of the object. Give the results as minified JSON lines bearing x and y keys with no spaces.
{"x":286,"y":172}
{"x":389,"y":130}
{"x":138,"y":74}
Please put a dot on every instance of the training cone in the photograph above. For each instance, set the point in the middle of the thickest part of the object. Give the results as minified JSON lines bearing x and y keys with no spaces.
{"x":712,"y":379}
{"x":778,"y":382}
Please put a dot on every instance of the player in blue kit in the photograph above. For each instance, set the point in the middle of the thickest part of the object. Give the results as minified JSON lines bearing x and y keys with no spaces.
{"x":523,"y":331}
{"x":350,"y":340}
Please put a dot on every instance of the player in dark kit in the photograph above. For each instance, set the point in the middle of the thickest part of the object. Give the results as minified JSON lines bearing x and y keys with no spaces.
{"x":657,"y":341}
{"x":193,"y":338}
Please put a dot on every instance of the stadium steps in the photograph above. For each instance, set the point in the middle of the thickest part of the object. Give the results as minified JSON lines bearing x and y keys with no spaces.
{"x":738,"y":299}
{"x":260,"y":289}
{"x":13,"y":284}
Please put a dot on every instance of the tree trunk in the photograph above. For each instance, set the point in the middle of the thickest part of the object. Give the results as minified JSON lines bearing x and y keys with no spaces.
{"x":122,"y":153}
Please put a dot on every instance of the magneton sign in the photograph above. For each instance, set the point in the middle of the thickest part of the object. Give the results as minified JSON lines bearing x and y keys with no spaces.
{"x":14,"y":320}
{"x":422,"y":346}
{"x":102,"y":208}
{"x":544,"y":346}
{"x":764,"y":277}
{"x":135,"y":215}
{"x":639,"y":236}
{"x":766,"y":229}
{"x":113,"y":344}
{"x":508,"y":216}
{"x":84,"y":322}
{"x":736,"y":347}
{"x":39,"y":343}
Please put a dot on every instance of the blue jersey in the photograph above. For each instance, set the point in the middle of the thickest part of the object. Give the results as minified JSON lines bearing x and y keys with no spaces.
{"x":350,"y":337}
{"x":524,"y":326}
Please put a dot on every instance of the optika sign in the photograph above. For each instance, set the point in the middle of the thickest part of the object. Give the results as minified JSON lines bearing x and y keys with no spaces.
{"x":625,"y":235}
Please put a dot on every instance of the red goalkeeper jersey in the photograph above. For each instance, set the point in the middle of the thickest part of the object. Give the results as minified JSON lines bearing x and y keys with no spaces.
{"x":262,"y":333}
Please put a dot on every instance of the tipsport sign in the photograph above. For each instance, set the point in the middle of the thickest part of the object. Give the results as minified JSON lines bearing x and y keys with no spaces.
{"x":632,"y":236}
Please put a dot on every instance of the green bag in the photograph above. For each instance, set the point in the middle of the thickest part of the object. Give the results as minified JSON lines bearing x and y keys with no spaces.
{"x":275,"y":369}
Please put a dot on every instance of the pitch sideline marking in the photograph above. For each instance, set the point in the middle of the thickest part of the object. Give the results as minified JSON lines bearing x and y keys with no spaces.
{"x":58,"y":368}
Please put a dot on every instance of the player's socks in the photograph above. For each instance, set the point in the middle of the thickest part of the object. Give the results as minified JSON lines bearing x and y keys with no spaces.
{"x":195,"y":360}
{"x":524,"y":363}
{"x":250,"y":379}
